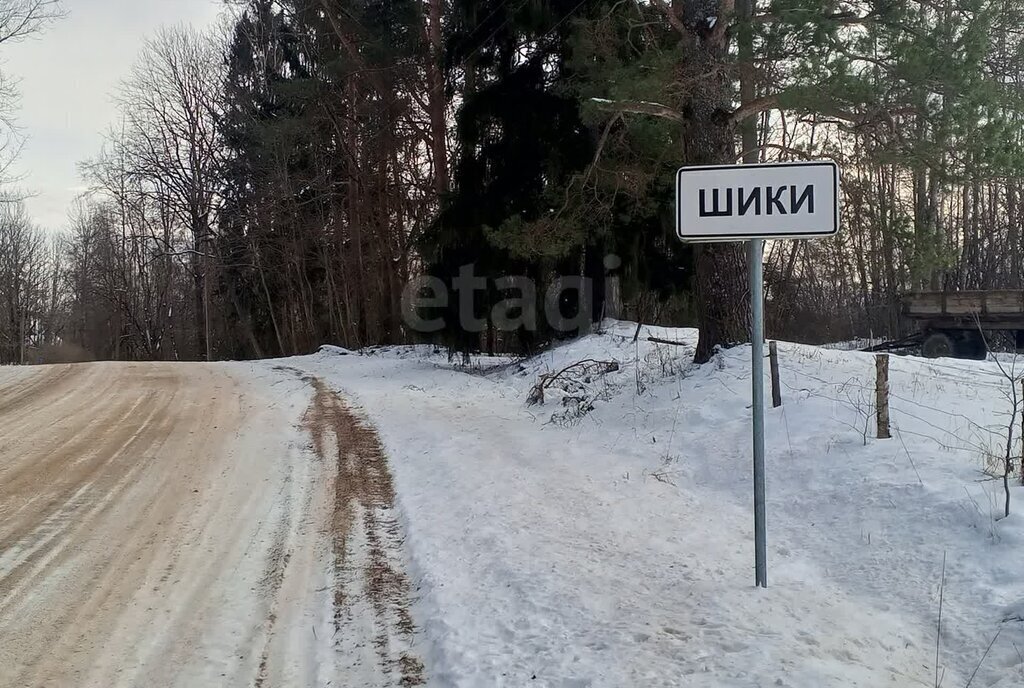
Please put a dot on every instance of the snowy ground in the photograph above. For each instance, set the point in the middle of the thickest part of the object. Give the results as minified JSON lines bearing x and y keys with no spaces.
{"x":615,"y":548}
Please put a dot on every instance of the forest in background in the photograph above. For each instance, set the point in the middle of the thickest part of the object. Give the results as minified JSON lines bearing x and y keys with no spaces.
{"x":274,"y":184}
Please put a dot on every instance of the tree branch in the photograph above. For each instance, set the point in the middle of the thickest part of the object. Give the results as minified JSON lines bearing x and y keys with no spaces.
{"x":672,"y":17}
{"x":849,"y":18}
{"x":638,"y":108}
{"x":754,"y":108}
{"x":771,"y":102}
{"x":794,"y":152}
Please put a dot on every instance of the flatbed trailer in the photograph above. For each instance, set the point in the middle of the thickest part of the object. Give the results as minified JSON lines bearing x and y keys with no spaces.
{"x":954,"y":324}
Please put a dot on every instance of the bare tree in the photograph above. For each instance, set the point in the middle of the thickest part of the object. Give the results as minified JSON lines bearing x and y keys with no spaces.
{"x":18,"y":20}
{"x":159,"y":171}
{"x":22,"y":18}
{"x":25,"y":271}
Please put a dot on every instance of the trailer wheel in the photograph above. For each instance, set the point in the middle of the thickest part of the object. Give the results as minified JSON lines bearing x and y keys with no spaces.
{"x":938,"y":345}
{"x":972,"y":346}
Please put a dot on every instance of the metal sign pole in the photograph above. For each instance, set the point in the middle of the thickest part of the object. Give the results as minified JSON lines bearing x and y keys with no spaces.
{"x":755,"y":260}
{"x":751,"y":203}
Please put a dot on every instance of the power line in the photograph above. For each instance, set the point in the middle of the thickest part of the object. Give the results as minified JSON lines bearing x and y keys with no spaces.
{"x":494,"y":33}
{"x":486,"y":19}
{"x":563,"y":19}
{"x":509,"y":18}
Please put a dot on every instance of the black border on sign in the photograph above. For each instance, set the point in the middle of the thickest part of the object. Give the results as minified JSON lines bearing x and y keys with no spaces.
{"x":707,"y":238}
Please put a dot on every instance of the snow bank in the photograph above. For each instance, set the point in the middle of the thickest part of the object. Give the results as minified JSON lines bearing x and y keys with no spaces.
{"x":604,"y":537}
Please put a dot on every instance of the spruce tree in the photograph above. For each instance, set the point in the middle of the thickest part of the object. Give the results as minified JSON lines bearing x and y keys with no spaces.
{"x":520,"y":139}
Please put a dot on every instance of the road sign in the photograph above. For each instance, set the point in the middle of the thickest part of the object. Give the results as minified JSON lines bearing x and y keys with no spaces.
{"x":788,"y":200}
{"x":751,"y":203}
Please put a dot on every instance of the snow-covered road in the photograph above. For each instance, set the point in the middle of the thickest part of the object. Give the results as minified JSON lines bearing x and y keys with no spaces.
{"x":184,"y":525}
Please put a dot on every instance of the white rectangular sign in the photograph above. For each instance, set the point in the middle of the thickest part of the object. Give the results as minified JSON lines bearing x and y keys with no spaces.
{"x":790,"y":200}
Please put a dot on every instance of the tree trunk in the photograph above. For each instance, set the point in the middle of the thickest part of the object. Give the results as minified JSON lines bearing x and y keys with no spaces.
{"x":436,"y":99}
{"x":722,"y":293}
{"x":1014,"y":233}
{"x":199,"y":289}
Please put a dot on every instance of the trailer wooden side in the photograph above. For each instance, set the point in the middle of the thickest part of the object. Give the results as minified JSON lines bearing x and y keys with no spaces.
{"x":997,"y":309}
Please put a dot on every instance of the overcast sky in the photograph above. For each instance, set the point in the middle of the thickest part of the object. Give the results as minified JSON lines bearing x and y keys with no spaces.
{"x":67,"y":78}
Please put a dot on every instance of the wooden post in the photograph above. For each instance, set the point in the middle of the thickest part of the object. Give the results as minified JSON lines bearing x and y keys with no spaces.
{"x":773,"y":355}
{"x":882,"y":395}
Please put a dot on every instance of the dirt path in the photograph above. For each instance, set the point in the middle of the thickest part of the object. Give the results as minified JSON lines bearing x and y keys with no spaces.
{"x":370,"y":585}
{"x":170,"y":525}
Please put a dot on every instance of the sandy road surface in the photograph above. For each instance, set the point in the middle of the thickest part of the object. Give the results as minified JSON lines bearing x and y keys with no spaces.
{"x":178,"y":525}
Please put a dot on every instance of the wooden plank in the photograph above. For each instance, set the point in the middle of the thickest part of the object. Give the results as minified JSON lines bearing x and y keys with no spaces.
{"x":924,"y":303}
{"x":993,"y":304}
{"x":1005,"y":302}
{"x":965,"y":303}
